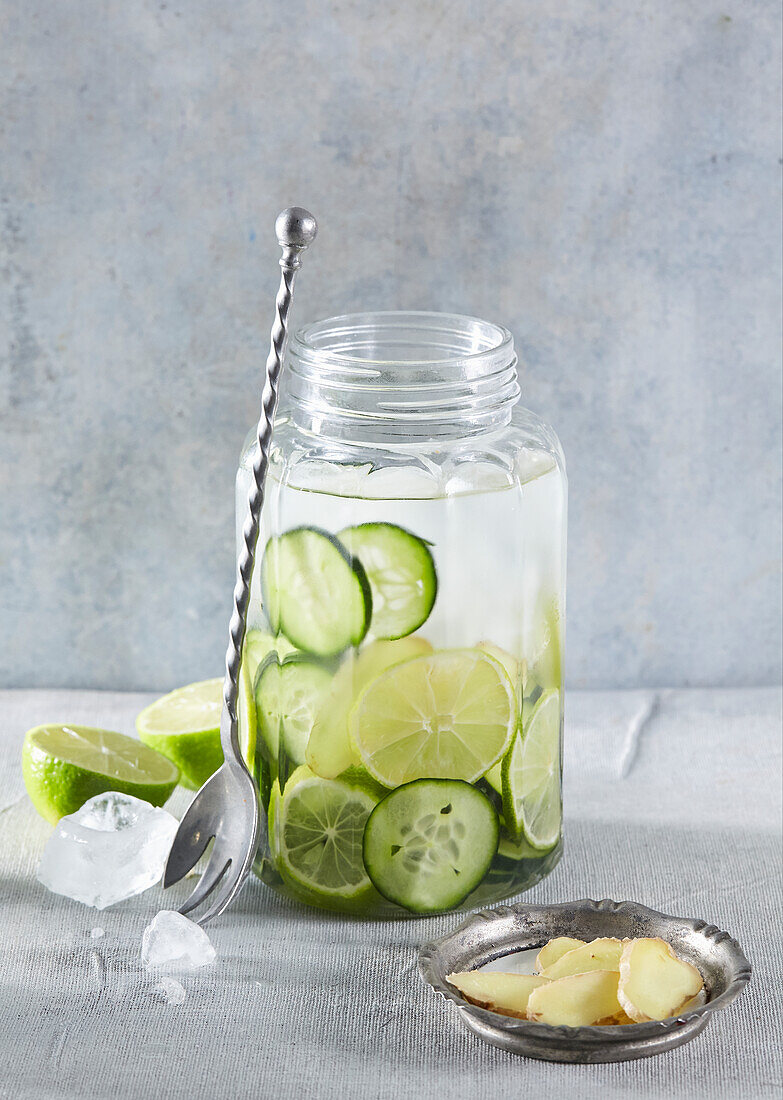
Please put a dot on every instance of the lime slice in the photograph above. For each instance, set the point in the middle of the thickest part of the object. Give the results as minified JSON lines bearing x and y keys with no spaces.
{"x":509,"y":662}
{"x":185,"y":727}
{"x":516,"y":849}
{"x":63,"y":766}
{"x":447,"y":715}
{"x":543,"y":665}
{"x":513,"y":669}
{"x":531,"y":777}
{"x":329,"y":750}
{"x":315,"y":832}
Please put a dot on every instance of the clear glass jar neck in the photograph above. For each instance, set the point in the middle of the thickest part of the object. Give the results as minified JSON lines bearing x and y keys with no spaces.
{"x":401,"y":377}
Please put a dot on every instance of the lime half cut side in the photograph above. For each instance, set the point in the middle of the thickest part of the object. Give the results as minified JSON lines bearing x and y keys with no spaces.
{"x":531,"y":777}
{"x":64,"y":766}
{"x":185,"y":726}
{"x":316,"y":830}
{"x":446,"y":715}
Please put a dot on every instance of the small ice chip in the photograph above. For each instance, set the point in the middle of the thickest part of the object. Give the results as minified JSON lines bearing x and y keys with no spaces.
{"x":96,"y":933}
{"x":115,"y":846}
{"x":172,"y":991}
{"x":172,"y":942}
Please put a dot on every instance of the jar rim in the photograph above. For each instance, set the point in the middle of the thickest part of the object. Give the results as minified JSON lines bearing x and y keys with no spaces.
{"x":325,"y":340}
{"x":401,"y":375}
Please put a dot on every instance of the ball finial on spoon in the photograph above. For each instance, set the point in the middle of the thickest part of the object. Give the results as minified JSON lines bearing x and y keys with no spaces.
{"x":296,"y":228}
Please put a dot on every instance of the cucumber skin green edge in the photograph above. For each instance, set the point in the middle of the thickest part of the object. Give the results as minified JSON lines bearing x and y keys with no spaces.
{"x":273,"y":764}
{"x":452,"y":904}
{"x":359,"y":573}
{"x":425,"y":544}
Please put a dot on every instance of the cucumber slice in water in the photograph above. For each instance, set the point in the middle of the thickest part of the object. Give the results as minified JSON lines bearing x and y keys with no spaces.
{"x":259,"y":644}
{"x":288,"y":696}
{"x":401,"y":572}
{"x":429,"y":843}
{"x":315,"y":592}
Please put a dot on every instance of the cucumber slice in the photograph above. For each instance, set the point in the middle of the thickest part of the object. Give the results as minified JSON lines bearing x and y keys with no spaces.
{"x":315,"y":592}
{"x":288,"y":696}
{"x":429,"y":843}
{"x":259,"y":644}
{"x":401,"y":572}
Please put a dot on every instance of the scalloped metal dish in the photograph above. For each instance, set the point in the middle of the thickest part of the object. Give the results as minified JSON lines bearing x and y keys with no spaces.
{"x":492,"y":933}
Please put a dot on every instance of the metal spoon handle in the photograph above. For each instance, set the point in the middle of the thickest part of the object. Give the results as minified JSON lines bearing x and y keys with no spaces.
{"x":296,"y":229}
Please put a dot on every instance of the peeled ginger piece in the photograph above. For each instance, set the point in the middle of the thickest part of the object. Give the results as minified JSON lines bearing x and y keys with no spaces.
{"x":553,"y":950}
{"x":504,"y":993}
{"x":603,"y":954}
{"x":654,"y":983}
{"x":578,"y":1000}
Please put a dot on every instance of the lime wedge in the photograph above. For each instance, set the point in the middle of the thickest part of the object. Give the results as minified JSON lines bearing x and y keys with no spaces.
{"x":329,"y":750}
{"x":447,"y":715}
{"x":315,"y":833}
{"x":185,"y":727}
{"x":63,"y":766}
{"x":531,"y":777}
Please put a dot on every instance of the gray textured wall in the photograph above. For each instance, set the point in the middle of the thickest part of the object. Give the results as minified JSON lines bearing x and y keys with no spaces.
{"x":600,"y":176}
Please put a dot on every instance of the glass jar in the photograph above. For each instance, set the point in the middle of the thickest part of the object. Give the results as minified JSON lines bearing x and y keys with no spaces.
{"x":402,"y":675}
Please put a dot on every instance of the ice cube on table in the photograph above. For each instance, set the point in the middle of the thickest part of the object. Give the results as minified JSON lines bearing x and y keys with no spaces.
{"x":115,"y":846}
{"x":172,"y":991}
{"x":172,"y":942}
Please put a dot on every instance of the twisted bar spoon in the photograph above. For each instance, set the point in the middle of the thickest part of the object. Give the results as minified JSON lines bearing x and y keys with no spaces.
{"x":226,"y":807}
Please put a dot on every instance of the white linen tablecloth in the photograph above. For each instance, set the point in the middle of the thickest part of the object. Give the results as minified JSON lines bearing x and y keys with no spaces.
{"x":672,"y":798}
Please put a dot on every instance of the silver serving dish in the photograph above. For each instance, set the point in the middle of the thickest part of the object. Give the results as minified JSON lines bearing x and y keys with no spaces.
{"x":492,"y":933}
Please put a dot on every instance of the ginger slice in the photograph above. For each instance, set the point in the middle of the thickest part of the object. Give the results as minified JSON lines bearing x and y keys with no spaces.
{"x":504,"y":993}
{"x":654,"y":982}
{"x":578,"y":1000}
{"x":601,"y":954}
{"x":553,"y":950}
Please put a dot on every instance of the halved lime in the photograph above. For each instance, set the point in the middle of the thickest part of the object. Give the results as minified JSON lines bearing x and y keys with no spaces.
{"x":531,"y":777}
{"x":329,"y":750}
{"x":63,"y":766}
{"x":447,"y":715}
{"x":185,"y":727}
{"x":316,"y":829}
